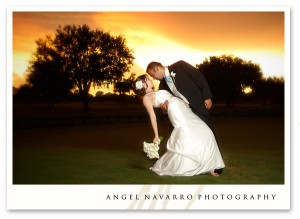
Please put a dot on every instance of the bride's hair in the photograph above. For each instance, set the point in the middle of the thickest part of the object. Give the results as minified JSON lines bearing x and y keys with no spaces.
{"x":139,"y":89}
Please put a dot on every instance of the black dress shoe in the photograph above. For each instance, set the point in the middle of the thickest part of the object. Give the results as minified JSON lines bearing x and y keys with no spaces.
{"x":219,"y":171}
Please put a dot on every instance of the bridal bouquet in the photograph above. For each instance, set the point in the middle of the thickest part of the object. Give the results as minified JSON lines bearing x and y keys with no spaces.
{"x":151,"y":150}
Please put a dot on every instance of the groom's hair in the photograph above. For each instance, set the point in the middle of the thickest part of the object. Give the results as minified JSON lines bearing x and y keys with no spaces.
{"x":152,"y":65}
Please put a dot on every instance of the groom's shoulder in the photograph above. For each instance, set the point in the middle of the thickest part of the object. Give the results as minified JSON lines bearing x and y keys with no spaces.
{"x":181,"y":62}
{"x":178,"y":65}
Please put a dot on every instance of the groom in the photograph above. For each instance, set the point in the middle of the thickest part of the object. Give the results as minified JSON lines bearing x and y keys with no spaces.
{"x":189,"y":82}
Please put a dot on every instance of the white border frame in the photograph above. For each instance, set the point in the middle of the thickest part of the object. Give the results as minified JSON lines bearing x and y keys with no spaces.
{"x":86,"y":197}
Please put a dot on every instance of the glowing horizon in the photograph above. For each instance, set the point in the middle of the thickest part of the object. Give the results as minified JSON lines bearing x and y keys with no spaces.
{"x":165,"y":36}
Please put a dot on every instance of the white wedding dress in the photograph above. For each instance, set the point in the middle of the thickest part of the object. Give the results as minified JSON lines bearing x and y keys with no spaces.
{"x":191,"y":148}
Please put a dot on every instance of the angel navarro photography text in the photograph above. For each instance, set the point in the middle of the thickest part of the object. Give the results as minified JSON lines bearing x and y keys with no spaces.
{"x":183,"y":197}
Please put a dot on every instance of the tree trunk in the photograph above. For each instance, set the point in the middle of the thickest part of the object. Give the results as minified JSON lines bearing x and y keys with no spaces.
{"x":85,"y":100}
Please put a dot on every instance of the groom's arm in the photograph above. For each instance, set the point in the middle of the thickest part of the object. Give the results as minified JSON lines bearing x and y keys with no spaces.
{"x":201,"y":82}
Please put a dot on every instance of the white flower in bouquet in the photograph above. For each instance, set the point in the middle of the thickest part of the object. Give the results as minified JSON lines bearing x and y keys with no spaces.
{"x":151,"y":150}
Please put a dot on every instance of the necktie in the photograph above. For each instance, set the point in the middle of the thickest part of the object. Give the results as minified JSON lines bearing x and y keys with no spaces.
{"x":168,"y":79}
{"x":174,"y":89}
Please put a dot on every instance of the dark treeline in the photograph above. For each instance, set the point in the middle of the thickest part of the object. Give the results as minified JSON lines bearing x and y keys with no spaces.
{"x":64,"y":68}
{"x":229,"y":76}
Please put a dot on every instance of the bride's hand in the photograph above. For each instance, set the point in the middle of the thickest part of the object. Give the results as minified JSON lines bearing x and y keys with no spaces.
{"x":156,"y":140}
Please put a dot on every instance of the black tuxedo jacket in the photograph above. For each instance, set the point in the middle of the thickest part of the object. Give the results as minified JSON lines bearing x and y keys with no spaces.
{"x":191,"y":83}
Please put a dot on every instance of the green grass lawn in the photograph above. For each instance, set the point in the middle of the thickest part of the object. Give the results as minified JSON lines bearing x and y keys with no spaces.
{"x":253,"y":151}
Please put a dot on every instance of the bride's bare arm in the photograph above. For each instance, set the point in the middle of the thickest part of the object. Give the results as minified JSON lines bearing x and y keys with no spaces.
{"x":149,"y":107}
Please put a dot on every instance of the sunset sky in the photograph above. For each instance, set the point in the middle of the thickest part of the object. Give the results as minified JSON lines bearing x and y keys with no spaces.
{"x":165,"y":36}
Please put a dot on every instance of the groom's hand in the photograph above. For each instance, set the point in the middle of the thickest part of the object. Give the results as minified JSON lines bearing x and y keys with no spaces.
{"x":164,"y":106}
{"x":208,"y":103}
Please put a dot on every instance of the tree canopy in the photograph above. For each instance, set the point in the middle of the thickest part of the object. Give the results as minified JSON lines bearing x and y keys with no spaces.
{"x":83,"y":57}
{"x":227,"y":75}
{"x":46,"y":77}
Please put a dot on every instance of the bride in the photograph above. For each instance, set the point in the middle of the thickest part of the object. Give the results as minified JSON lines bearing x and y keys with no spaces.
{"x":191,"y":148}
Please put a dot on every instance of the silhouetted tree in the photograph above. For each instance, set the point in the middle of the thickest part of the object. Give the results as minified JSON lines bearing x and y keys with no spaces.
{"x":99,"y":94}
{"x":86,"y":57}
{"x":24,"y":94}
{"x":15,"y":90}
{"x":227,"y":75}
{"x":270,"y":90}
{"x":92,"y":57}
{"x":124,"y":86}
{"x":46,"y":76}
